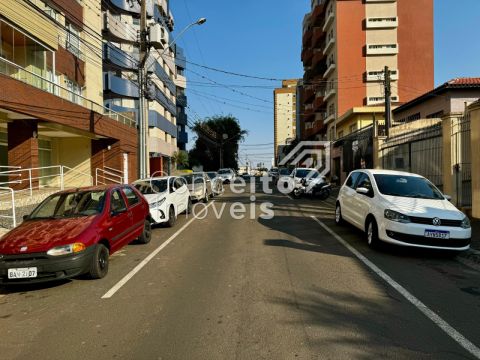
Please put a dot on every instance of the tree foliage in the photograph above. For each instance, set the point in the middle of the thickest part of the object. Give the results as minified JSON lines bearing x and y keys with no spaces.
{"x":180,"y":159}
{"x":215,"y":133}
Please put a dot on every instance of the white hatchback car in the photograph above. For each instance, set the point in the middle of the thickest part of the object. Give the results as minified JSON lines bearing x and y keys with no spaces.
{"x":167,"y":197}
{"x":401,"y":208}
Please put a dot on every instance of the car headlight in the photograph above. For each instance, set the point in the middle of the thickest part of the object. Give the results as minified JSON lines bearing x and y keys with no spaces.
{"x":158,"y":203}
{"x":396,"y":216}
{"x":66,"y":249}
{"x":466,"y":223}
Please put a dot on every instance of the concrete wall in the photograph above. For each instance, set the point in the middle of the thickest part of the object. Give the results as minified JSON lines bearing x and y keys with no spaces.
{"x":475,"y":138}
{"x":74,"y":152}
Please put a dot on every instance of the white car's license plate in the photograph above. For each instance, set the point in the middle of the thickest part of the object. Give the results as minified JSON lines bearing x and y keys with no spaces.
{"x":437,"y":234}
{"x":22,"y":273}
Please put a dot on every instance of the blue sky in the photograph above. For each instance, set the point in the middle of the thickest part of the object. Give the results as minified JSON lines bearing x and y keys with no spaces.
{"x":263,"y":38}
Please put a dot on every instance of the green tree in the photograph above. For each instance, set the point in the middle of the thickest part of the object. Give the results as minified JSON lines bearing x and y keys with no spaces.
{"x":214,"y":135}
{"x":180,"y":158}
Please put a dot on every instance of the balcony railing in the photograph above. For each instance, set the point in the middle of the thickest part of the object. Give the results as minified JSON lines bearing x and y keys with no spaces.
{"x":15,"y":71}
{"x":382,"y":49}
{"x":382,"y":23}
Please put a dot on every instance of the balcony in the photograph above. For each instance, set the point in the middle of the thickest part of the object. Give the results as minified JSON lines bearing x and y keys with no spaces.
{"x":378,"y":100}
{"x":309,"y":114}
{"x":161,"y":122}
{"x":377,"y":76}
{"x":329,"y":119}
{"x":382,"y":23}
{"x":384,"y":49}
{"x":180,"y":59}
{"x":318,"y":13}
{"x":118,"y":31}
{"x":115,"y":87}
{"x":182,"y":118}
{"x":182,"y":137}
{"x":132,"y":7}
{"x":319,"y":100}
{"x":318,"y":56}
{"x":152,"y":65}
{"x":25,"y":76}
{"x":318,"y":35}
{"x":330,"y":92}
{"x":329,"y":45}
{"x":331,"y":68}
{"x":307,"y":56}
{"x":307,"y":37}
{"x":117,"y":57}
{"x":165,"y":102}
{"x":328,"y":20}
{"x":309,"y":94}
{"x":182,"y":100}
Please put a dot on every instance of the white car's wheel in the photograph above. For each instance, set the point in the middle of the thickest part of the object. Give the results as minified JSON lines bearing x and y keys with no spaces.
{"x":372,"y":233}
{"x":338,"y":215}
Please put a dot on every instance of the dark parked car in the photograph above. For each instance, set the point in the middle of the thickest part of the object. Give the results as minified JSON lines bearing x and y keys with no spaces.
{"x":72,"y":233}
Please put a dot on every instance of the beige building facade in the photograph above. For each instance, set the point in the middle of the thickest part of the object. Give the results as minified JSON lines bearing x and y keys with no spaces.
{"x":285,"y":115}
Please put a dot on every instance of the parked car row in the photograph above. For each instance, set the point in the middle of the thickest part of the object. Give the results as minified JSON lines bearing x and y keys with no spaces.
{"x":74,"y":232}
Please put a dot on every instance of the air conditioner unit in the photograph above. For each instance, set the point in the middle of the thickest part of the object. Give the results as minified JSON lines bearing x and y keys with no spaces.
{"x":158,"y":36}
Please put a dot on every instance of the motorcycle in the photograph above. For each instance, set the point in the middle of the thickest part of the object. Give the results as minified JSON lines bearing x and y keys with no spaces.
{"x":320,"y":189}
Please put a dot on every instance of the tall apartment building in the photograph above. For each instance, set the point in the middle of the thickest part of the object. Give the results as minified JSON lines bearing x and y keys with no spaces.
{"x":51,"y":102}
{"x":346,"y":45}
{"x":285,"y":114}
{"x":181,"y":82}
{"x":121,"y":26}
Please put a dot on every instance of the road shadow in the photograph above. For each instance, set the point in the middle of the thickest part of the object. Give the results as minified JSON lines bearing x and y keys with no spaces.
{"x":23,"y":289}
{"x":356,"y":323}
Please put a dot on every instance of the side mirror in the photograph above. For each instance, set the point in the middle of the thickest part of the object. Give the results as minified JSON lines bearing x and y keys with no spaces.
{"x":447,"y":197}
{"x":25,"y":217}
{"x":363,"y":191}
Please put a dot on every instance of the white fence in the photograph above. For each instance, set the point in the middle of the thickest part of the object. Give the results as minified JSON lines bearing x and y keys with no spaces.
{"x":108,"y":175}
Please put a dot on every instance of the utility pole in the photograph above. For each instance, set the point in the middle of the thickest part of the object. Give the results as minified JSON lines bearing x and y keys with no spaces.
{"x":388,"y":104}
{"x":143,"y":103}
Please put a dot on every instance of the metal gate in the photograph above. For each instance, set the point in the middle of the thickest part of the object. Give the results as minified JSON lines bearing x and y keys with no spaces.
{"x":418,"y":151}
{"x":462,"y":161}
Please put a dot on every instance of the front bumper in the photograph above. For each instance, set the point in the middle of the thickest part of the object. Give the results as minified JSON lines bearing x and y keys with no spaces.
{"x":49,"y":268}
{"x":414,"y":235}
{"x":158,"y":214}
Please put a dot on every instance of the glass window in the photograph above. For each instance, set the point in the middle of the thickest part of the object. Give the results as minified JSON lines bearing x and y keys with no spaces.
{"x":72,"y":42}
{"x":132,"y":198}
{"x":407,"y":186}
{"x":352,"y":179}
{"x":83,"y":203}
{"x":117,"y":204}
{"x":364,"y":182}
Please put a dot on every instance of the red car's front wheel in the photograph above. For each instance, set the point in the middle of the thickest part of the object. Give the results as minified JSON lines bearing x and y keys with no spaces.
{"x":99,"y":266}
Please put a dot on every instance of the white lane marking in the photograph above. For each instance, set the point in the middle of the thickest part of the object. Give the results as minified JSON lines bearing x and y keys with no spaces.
{"x":437,"y":320}
{"x":145,"y":261}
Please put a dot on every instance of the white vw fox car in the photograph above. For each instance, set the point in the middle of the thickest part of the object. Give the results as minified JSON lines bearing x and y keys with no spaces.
{"x":401,"y":208}
{"x":167,"y":197}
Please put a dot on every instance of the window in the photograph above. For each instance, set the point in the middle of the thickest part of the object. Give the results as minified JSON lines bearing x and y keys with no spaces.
{"x":117,"y":204}
{"x":340,"y":134}
{"x":131,"y":196}
{"x":72,"y":42}
{"x":74,"y":91}
{"x":352,"y":179}
{"x":54,"y":14}
{"x":413,"y":117}
{"x":365,"y":182}
{"x":437,"y":114}
{"x":353,"y":128}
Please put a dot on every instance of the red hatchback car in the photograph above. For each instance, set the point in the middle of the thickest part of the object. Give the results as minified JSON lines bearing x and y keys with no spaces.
{"x":72,"y":233}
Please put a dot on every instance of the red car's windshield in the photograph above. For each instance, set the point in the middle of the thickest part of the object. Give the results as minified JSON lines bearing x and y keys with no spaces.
{"x":83,"y":203}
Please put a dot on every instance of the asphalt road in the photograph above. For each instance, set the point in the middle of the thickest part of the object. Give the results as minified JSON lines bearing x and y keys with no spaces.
{"x":252,"y":288}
